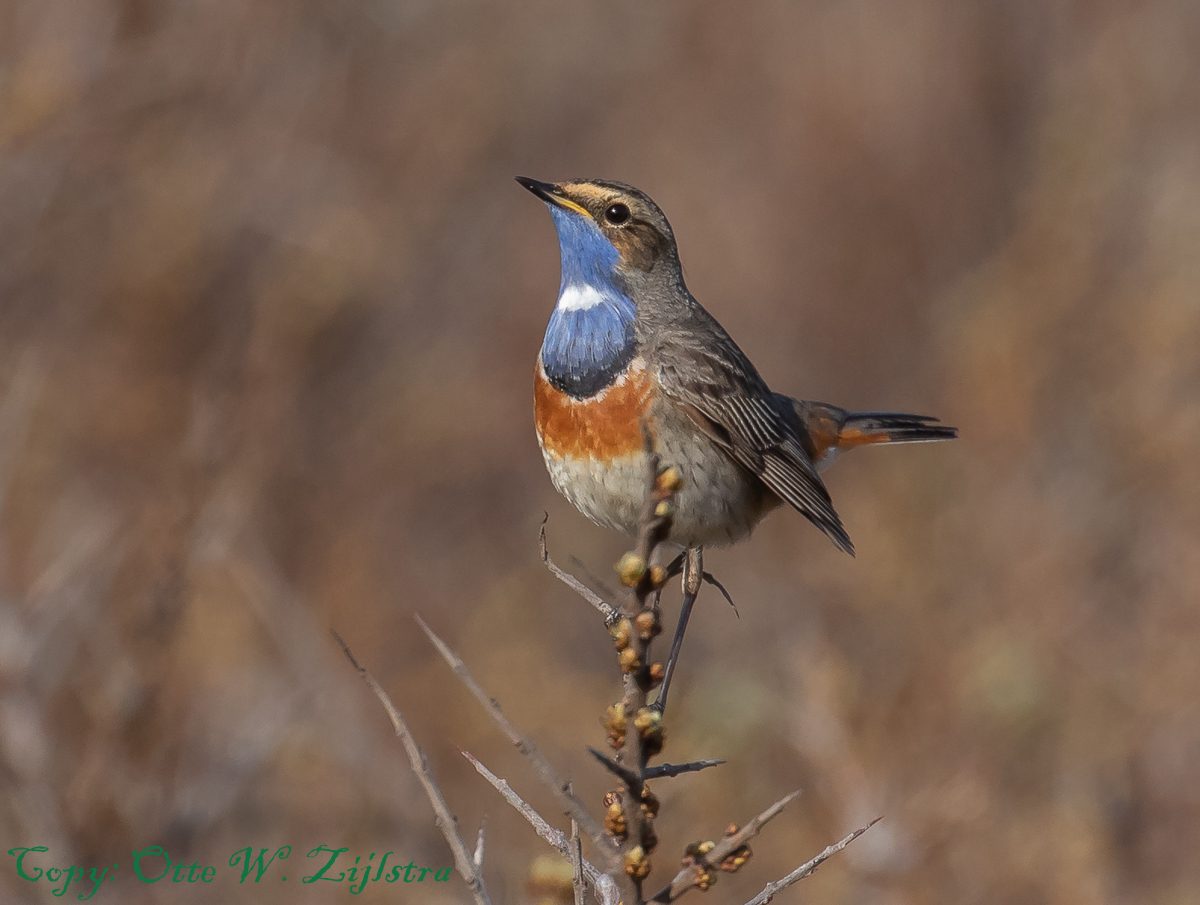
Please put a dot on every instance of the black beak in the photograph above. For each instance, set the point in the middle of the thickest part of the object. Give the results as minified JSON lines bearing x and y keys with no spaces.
{"x":543,"y":190}
{"x":552,"y":194}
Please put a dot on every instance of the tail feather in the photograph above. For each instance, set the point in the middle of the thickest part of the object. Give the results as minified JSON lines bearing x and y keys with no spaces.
{"x":895,"y":427}
{"x":830,"y":429}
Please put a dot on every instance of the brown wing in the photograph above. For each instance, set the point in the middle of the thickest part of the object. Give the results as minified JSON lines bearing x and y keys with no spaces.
{"x":722,"y":392}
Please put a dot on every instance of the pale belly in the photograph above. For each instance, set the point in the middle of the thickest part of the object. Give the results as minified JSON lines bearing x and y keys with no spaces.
{"x":594,"y":451}
{"x":717,"y":505}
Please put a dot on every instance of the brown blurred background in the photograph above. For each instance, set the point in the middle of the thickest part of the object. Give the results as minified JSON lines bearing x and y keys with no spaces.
{"x":269,"y":306}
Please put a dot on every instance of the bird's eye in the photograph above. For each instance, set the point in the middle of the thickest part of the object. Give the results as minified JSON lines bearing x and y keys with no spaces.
{"x":617,"y":214}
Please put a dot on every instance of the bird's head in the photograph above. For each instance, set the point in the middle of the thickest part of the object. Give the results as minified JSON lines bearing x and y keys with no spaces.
{"x":606,"y":229}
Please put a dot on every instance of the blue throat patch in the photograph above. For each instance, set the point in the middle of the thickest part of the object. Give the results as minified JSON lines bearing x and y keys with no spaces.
{"x":586,"y":348}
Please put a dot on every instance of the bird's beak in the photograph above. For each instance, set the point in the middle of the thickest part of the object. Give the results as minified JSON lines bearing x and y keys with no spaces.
{"x":551,"y":194}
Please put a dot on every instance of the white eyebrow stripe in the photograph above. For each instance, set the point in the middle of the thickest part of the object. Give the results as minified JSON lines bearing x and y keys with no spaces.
{"x":580,"y":298}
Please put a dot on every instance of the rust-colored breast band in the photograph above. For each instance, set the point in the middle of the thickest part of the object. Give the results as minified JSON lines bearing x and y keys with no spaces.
{"x":602,"y":427}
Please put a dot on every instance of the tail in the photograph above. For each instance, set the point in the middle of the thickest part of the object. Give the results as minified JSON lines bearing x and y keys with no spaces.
{"x":832,"y":430}
{"x":892,"y":427}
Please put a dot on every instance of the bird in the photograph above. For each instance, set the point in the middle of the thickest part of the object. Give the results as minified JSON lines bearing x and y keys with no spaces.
{"x":630,"y":356}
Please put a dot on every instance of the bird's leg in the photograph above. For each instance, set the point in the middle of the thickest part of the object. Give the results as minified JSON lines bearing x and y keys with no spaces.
{"x":693,"y":577}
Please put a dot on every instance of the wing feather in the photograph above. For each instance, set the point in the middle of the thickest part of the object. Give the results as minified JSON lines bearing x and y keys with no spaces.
{"x":722,"y":392}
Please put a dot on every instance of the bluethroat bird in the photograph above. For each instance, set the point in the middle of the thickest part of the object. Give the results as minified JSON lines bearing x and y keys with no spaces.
{"x":628,"y":346}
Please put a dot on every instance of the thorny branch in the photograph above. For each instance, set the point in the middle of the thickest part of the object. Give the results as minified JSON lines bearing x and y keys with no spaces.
{"x":546,"y":773}
{"x":635,"y":729}
{"x":471,"y":867}
{"x":577,"y":864}
{"x":705,"y":858}
{"x":808,"y":868}
{"x":606,"y":890}
{"x":607,"y":610}
{"x":668,"y":770}
{"x":635,"y":732}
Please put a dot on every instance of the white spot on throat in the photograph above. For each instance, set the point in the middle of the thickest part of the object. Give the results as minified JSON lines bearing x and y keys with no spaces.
{"x":581,"y":298}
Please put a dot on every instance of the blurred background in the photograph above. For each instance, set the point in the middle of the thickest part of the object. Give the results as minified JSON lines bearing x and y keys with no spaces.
{"x":269,"y":307}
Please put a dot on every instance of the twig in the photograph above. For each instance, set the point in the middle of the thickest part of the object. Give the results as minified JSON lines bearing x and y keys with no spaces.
{"x":807,"y":868}
{"x":552,"y":835}
{"x":471,"y":872}
{"x":597,"y":583}
{"x":577,"y":863}
{"x":606,"y":890}
{"x":607,"y":610}
{"x":663,"y":771}
{"x":542,"y":767}
{"x":643,"y":736}
{"x":630,"y":777}
{"x":686,"y":878}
